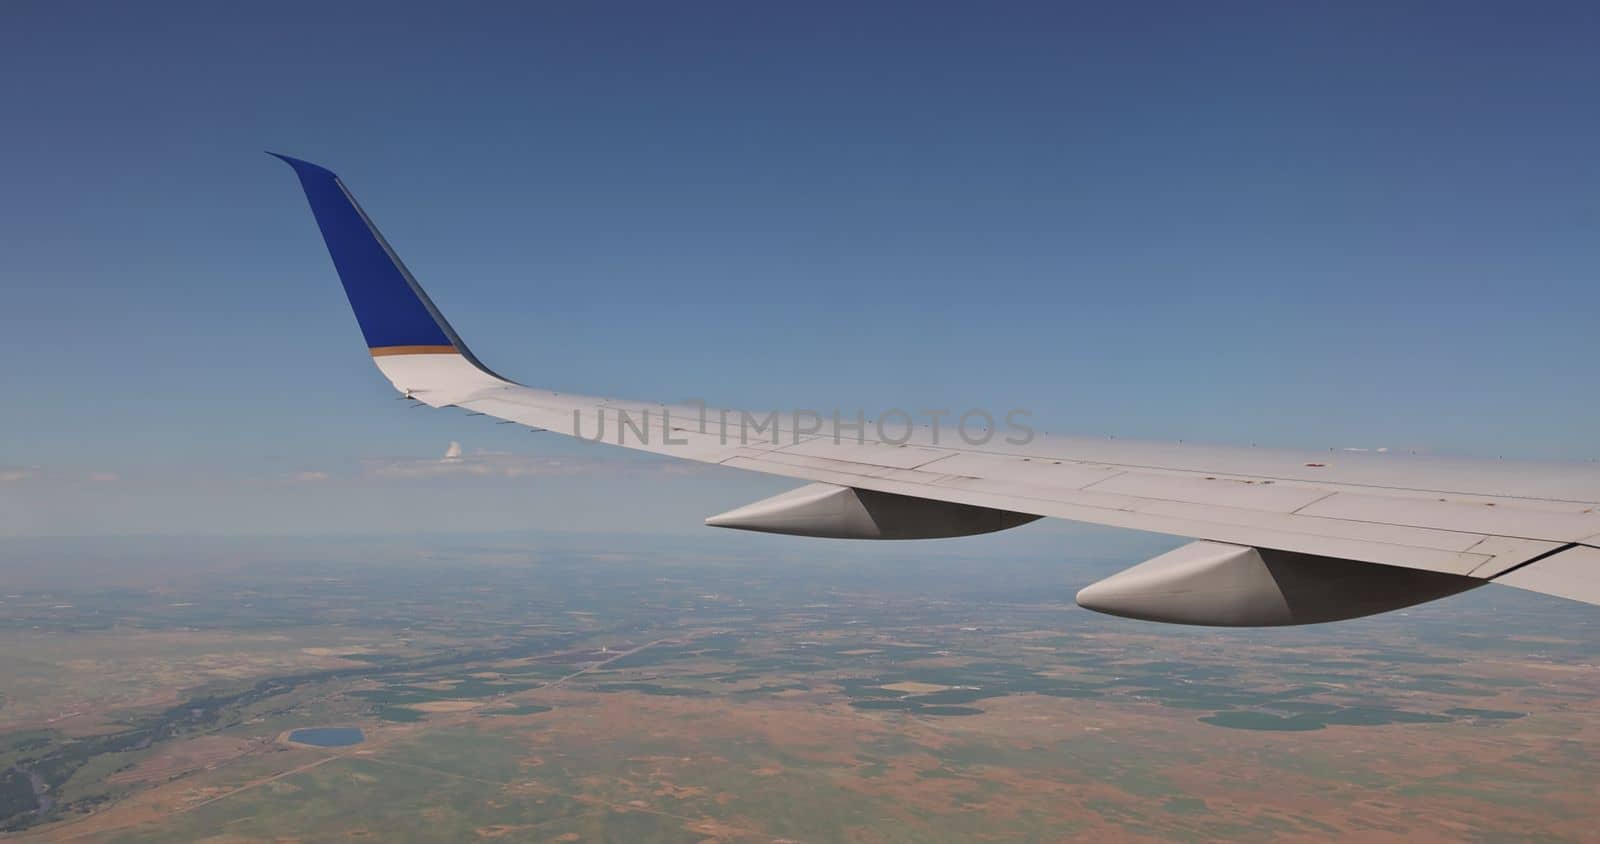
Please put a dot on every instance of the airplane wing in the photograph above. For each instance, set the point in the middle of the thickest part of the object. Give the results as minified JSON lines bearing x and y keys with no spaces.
{"x":1282,"y":537}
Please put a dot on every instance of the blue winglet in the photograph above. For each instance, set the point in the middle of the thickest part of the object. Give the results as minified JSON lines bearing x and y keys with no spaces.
{"x":396,"y":317}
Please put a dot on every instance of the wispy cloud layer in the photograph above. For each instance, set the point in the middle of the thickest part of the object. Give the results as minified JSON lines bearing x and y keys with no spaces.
{"x":36,"y":474}
{"x":309,"y":477}
{"x":464,"y":491}
{"x":491,"y":464}
{"x":460,"y":465}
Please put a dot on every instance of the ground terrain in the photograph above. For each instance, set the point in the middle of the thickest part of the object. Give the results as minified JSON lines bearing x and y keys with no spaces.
{"x":647,"y":696}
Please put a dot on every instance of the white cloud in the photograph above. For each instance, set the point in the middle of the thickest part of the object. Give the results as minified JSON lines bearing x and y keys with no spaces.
{"x":11,"y":474}
{"x":309,"y":477}
{"x":104,"y":477}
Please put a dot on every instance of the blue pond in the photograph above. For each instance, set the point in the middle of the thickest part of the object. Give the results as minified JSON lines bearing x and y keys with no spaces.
{"x":328,"y":736}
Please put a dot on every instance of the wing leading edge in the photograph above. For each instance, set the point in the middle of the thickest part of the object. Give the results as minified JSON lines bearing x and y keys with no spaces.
{"x":1533,"y":526}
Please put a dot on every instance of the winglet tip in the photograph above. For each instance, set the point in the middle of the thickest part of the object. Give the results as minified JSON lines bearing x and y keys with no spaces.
{"x":301,"y":166}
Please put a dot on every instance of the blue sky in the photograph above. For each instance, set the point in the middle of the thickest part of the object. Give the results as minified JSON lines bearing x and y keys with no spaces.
{"x":1348,"y":225}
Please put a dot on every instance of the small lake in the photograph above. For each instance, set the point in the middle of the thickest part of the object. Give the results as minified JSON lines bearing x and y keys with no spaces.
{"x":328,"y":736}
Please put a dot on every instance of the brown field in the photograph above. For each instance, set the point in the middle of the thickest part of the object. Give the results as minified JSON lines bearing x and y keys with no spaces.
{"x":912,"y":688}
{"x":445,"y":706}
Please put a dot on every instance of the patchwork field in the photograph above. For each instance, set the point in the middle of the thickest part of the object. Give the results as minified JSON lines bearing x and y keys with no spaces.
{"x":581,"y":702}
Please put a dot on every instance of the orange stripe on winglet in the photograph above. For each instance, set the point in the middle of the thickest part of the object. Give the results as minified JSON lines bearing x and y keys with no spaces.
{"x":384,"y":351}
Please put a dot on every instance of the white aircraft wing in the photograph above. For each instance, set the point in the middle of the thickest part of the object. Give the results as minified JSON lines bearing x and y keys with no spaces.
{"x":1282,"y":537}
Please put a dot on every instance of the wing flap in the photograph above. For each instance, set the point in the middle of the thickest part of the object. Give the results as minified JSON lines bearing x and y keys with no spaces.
{"x":1498,"y":518}
{"x":1573,"y":573}
{"x":1246,"y":494}
{"x":871,"y":453}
